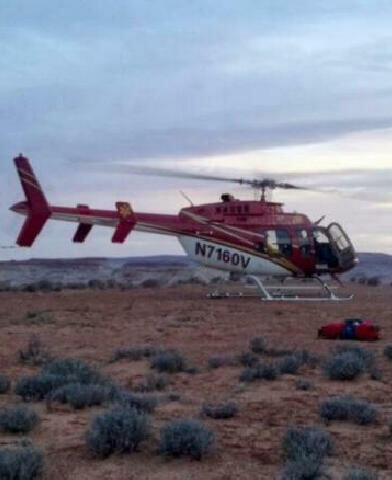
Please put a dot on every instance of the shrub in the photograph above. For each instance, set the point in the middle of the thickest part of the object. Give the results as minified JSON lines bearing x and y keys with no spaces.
{"x":76,"y":286}
{"x":304,"y":468}
{"x":170,"y":361}
{"x":153,"y":382}
{"x":306,"y":357}
{"x":73,"y":371}
{"x":305,"y":385}
{"x":173,"y":396}
{"x":138,"y":401}
{"x":130,"y":353}
{"x":21,"y":463}
{"x":34,"y":354}
{"x":54,"y":375}
{"x":134,"y":353}
{"x":18,"y":419}
{"x":223,"y":410}
{"x":217,"y":361}
{"x":362,"y":353}
{"x":37,"y":387}
{"x":258,"y":345}
{"x":117,"y":430}
{"x":375,"y":374}
{"x":79,"y":395}
{"x":45,"y":286}
{"x":5,"y":383}
{"x":186,"y":437}
{"x":248,"y":359}
{"x":300,"y":442}
{"x":266,"y":372}
{"x":259,"y":372}
{"x":150,"y":283}
{"x":374,"y":281}
{"x":279,"y":352}
{"x":96,"y":283}
{"x":247,"y":375}
{"x":348,"y":408}
{"x":289,"y":364}
{"x":388,"y":352}
{"x":360,"y":474}
{"x":344,"y":366}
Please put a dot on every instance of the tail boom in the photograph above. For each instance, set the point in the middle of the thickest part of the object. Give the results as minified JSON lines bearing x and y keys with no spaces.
{"x":123,"y":219}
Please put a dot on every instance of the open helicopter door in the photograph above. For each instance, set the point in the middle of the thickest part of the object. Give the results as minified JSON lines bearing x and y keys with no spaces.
{"x":341,"y":246}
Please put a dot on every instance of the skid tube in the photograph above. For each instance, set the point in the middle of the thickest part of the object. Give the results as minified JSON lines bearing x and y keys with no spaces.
{"x":267,"y":296}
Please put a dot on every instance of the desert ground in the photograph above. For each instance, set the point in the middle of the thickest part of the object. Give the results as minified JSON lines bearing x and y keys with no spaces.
{"x":91,"y":324}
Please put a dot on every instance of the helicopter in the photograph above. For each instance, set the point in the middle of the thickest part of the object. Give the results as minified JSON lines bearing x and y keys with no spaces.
{"x":251,"y":238}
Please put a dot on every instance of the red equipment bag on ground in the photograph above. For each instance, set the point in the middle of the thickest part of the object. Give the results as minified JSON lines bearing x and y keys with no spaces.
{"x":331,"y":331}
{"x":367,"y":331}
{"x":350,"y":329}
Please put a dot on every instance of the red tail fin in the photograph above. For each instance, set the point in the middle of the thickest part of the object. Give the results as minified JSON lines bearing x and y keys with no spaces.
{"x":39,"y":210}
{"x":30,"y":184}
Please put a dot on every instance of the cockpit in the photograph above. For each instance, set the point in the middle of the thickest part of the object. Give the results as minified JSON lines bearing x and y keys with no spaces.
{"x":333,"y":247}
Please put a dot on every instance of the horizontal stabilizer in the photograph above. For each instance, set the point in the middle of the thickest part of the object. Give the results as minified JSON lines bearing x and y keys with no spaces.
{"x":82,"y":231}
{"x":126,"y":223}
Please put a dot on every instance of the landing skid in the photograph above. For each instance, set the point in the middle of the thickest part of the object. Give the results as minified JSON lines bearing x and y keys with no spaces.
{"x":276,"y":295}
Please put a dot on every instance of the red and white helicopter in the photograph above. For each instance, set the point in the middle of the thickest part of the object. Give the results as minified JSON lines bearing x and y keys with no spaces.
{"x":252,"y":238}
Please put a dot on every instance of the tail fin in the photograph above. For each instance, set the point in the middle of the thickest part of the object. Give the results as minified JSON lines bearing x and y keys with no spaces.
{"x":30,"y":184}
{"x":39,"y":210}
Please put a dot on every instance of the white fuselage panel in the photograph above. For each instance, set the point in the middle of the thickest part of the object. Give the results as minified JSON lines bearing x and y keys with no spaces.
{"x":219,"y":256}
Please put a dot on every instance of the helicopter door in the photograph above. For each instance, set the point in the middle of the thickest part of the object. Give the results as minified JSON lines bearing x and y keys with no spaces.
{"x":303,"y":241}
{"x":341,"y":246}
{"x":325,"y":256}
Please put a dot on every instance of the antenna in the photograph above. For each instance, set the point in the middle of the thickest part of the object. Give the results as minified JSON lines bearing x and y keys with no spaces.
{"x":186,"y":198}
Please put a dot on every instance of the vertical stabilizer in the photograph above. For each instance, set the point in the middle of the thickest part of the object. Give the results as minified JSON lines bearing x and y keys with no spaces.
{"x":39,"y":210}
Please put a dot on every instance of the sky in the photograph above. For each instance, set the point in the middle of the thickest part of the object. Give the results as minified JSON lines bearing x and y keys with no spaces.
{"x":209,"y":85}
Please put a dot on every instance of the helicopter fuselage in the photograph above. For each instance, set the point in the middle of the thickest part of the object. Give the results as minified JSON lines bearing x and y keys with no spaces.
{"x":249,"y":237}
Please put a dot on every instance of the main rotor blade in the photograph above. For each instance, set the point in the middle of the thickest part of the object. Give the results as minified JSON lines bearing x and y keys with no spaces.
{"x":167,"y":172}
{"x":358,"y":183}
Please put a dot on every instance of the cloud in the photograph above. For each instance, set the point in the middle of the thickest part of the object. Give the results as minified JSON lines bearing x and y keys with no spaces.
{"x":136,"y":80}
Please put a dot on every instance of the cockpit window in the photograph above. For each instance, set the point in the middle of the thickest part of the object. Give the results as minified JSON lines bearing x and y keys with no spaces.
{"x":279,"y":241}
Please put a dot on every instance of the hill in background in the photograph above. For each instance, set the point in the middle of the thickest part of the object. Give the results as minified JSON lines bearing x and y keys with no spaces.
{"x":161,"y":270}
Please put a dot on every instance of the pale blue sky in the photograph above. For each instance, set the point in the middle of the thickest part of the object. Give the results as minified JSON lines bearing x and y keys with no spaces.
{"x":85,"y":81}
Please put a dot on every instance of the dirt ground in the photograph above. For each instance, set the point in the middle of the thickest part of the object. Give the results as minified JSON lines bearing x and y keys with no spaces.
{"x":90,"y":324}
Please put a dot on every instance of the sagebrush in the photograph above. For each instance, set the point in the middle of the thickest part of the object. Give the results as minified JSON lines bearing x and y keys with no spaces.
{"x":118,"y":430}
{"x":170,"y":361}
{"x":221,"y":410}
{"x":348,"y":408}
{"x":344,"y":366}
{"x":186,"y":437}
{"x":5,"y":383}
{"x":21,"y":463}
{"x":360,"y":474}
{"x":80,"y":395}
{"x":300,"y":442}
{"x":143,"y":402}
{"x":18,"y":419}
